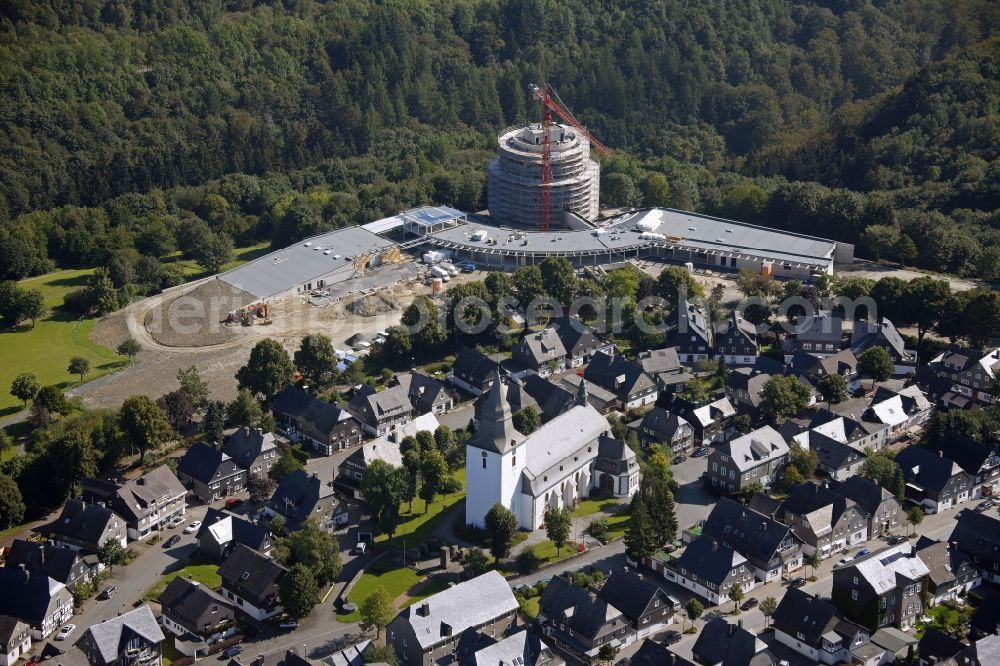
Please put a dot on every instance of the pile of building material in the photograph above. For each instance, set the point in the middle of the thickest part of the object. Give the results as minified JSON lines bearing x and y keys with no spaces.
{"x":196,"y":317}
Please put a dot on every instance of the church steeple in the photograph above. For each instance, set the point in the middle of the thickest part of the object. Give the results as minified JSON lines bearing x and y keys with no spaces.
{"x":581,"y":393}
{"x":496,"y":431}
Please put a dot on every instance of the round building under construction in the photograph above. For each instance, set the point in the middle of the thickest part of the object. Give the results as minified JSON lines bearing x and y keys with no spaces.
{"x":515,"y":177}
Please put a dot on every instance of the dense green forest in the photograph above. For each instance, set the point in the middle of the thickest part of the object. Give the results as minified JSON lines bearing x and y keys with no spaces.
{"x":130,"y":130}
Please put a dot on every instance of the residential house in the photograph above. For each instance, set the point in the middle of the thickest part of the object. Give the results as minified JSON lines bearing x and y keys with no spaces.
{"x":812,"y":627}
{"x":843,"y":363}
{"x":971,"y":373}
{"x":381,"y":412}
{"x":980,"y":460}
{"x":883,"y":333}
{"x":985,"y":621}
{"x":431,"y":630}
{"x":665,"y":367}
{"x":658,"y":426}
{"x":882,"y":510}
{"x":519,"y":398}
{"x":978,"y":536}
{"x":933,"y":481}
{"x":770,"y":547}
{"x":85,"y":526}
{"x":196,"y":614}
{"x":131,"y":639}
{"x":745,"y":388}
{"x":633,"y":387}
{"x":651,"y":653}
{"x":937,"y":647}
{"x":720,"y":643}
{"x":641,"y":601}
{"x":35,"y":599}
{"x":709,"y":568}
{"x":735,"y":340}
{"x":210,"y":473}
{"x":60,"y":563}
{"x":15,"y":637}
{"x":757,"y":457}
{"x":302,"y":495}
{"x":578,"y":622}
{"x":896,"y":644}
{"x":250,"y":582}
{"x":521,"y":648}
{"x":603,"y":400}
{"x":899,"y":410}
{"x":951,"y":572}
{"x":147,"y":503}
{"x":252,"y":449}
{"x":305,"y":418}
{"x":426,"y":394}
{"x":819,"y":335}
{"x":352,"y":470}
{"x":473,"y":371}
{"x":882,"y":589}
{"x":824,"y":521}
{"x":221,"y":531}
{"x":689,"y":332}
{"x":857,"y":432}
{"x":579,"y":340}
{"x":712,"y":420}
{"x":541,"y":351}
{"x":839,"y":461}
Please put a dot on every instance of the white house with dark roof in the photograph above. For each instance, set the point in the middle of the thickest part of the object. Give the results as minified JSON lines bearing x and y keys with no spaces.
{"x":433,"y":630}
{"x":759,"y":456}
{"x":15,"y":638}
{"x":86,"y":526}
{"x":883,"y":333}
{"x":146,"y":503}
{"x":131,"y":638}
{"x":552,"y":467}
{"x":381,"y":412}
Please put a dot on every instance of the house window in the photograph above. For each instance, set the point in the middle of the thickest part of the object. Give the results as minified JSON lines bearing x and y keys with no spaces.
{"x":513,"y":460}
{"x":855,"y":580}
{"x":854,"y":595}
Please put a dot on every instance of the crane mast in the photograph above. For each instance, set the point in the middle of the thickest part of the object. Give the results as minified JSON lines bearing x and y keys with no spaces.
{"x":547,"y":96}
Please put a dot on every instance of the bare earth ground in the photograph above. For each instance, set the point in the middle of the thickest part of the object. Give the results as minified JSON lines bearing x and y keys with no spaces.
{"x":364,"y":305}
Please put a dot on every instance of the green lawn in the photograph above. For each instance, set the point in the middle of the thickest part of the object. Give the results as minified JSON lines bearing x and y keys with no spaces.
{"x":417,"y":526}
{"x":530,"y":606}
{"x":205,"y":573}
{"x":395,"y":582}
{"x":47,"y":348}
{"x":546,"y":552}
{"x":169,"y":651}
{"x":591,"y":506}
{"x":617,"y":525}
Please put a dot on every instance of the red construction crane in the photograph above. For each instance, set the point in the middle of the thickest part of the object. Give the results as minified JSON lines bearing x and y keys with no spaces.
{"x":547,"y":96}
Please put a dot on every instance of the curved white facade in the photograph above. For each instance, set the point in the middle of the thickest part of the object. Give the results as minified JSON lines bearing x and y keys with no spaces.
{"x":515,"y":176}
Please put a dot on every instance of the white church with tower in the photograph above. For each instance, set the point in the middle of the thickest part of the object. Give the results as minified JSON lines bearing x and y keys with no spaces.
{"x":553,"y":467}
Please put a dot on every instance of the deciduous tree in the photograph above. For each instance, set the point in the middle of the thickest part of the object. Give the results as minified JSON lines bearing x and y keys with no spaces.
{"x":25,"y":387}
{"x":527,"y":420}
{"x":876,"y":363}
{"x":557,"y":526}
{"x":376,"y":611}
{"x":78,"y":365}
{"x":268,"y":371}
{"x":501,"y":524}
{"x":316,"y":360}
{"x":783,"y":396}
{"x":298,"y":591}
{"x":129,"y":348}
{"x":313,"y":548}
{"x":384,"y":487}
{"x":193,"y":386}
{"x":144,"y":424}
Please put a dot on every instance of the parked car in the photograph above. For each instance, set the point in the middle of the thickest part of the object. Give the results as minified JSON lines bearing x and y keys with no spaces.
{"x":671,"y":637}
{"x":65,"y":632}
{"x":172,"y":541}
{"x":108,"y":592}
{"x":863,"y":552}
{"x":699,"y":452}
{"x":360,"y":548}
{"x":289,"y":624}
{"x":797,"y":582}
{"x":193,"y":527}
{"x":842,"y":561}
{"x":750,"y":603}
{"x":984,"y":506}
{"x":232,"y":501}
{"x":896,"y":538}
{"x":232,"y":651}
{"x":679,"y":458}
{"x":468,"y":268}
{"x":175,"y":521}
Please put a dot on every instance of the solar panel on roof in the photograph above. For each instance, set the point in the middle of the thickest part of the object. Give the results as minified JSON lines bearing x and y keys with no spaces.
{"x":891,"y":557}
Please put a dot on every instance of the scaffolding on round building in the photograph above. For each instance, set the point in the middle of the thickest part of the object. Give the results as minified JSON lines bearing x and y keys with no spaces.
{"x":515,"y":176}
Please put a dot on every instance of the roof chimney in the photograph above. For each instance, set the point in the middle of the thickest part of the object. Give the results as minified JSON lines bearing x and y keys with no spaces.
{"x":739,"y":623}
{"x":715,"y":545}
{"x":425,"y":609}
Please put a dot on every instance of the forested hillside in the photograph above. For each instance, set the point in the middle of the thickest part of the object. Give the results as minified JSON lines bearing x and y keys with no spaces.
{"x":124,"y":125}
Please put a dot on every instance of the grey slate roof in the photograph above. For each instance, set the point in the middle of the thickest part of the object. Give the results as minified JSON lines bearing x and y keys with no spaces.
{"x":10,"y":628}
{"x":575,"y":335}
{"x":111,"y":635}
{"x":299,"y":404}
{"x":246,"y":444}
{"x":663,"y":423}
{"x":496,"y":431}
{"x":655,"y":361}
{"x":297,"y":495}
{"x":754,"y":535}
{"x":709,"y":559}
{"x":651,"y":653}
{"x":832,"y":453}
{"x":977,"y":534}
{"x":550,"y":398}
{"x":81,"y":521}
{"x":720,"y":642}
{"x":474,"y":365}
{"x":520,"y":648}
{"x":56,"y":562}
{"x":188,"y":601}
{"x":864,"y":492}
{"x":544,"y":346}
{"x":800,"y":611}
{"x":617,"y":374}
{"x":392,"y":400}
{"x":201,"y":462}
{"x":820,"y":328}
{"x":468,"y":604}
{"x":631,"y":593}
{"x":26,"y":596}
{"x":750,"y":450}
{"x":242,"y":531}
{"x":559,"y":595}
{"x":423,"y":391}
{"x":249,"y":574}
{"x":892,"y":639}
{"x":932,"y":470}
{"x":865,"y":334}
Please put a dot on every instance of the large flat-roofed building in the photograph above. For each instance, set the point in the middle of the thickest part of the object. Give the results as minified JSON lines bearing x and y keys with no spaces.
{"x":514,"y":178}
{"x":311,"y":264}
{"x":671,"y":235}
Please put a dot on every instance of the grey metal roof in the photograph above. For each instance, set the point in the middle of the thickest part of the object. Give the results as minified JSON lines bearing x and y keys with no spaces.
{"x":470,"y":604}
{"x":683,"y":230}
{"x":107,"y":636}
{"x":306,"y":261}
